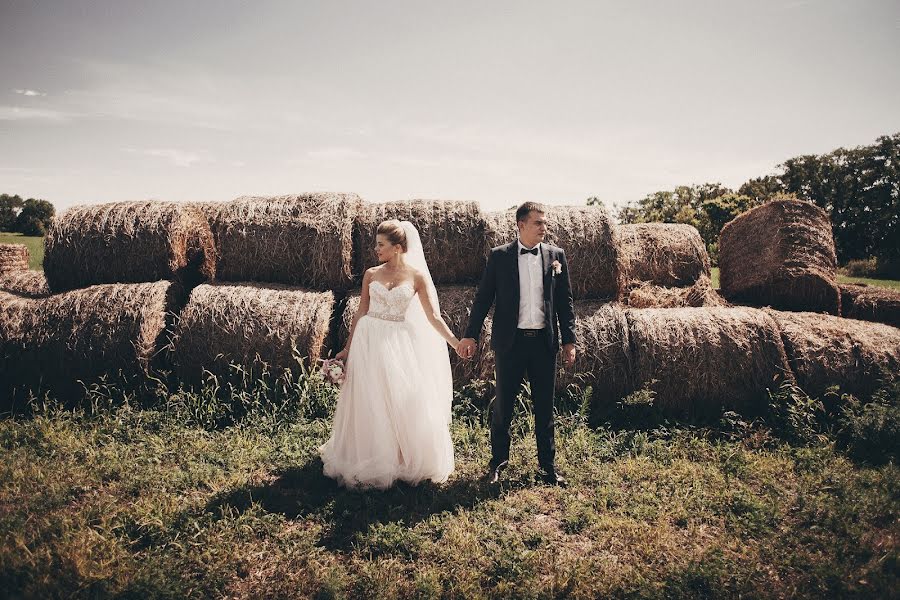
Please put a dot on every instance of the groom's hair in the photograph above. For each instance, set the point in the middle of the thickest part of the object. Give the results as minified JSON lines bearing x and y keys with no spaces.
{"x":522,"y":211}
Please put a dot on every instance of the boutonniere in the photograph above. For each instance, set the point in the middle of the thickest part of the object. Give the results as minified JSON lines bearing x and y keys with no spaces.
{"x":557,"y":268}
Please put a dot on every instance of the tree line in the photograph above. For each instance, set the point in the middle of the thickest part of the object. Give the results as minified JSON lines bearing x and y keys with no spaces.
{"x":858,"y":187}
{"x":30,"y":217}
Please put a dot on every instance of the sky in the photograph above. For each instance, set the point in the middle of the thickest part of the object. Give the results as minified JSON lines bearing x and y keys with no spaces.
{"x":498,"y":102}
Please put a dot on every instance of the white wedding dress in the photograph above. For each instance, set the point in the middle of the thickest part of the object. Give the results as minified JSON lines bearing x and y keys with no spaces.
{"x":393,"y":414}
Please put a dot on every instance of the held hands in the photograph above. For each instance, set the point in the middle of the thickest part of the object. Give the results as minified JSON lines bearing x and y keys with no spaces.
{"x":569,"y":354}
{"x":466,"y":348}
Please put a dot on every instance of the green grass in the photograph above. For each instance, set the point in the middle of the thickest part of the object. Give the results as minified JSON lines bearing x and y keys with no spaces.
{"x":135,"y":502}
{"x":35,"y":247}
{"x":888,"y":283}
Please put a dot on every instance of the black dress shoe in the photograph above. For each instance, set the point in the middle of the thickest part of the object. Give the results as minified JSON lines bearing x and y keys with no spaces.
{"x":493,"y":475}
{"x":551,"y":477}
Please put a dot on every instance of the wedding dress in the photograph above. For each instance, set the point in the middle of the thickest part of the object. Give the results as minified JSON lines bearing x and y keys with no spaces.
{"x":393,"y":414}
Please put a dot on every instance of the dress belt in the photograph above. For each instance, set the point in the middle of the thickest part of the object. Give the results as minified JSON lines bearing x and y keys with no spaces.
{"x":386,"y":316}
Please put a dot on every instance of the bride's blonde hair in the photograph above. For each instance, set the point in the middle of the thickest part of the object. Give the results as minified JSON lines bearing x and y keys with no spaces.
{"x":393,"y":231}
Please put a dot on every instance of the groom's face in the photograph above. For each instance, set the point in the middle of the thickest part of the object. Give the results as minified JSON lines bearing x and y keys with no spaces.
{"x":533,"y":229}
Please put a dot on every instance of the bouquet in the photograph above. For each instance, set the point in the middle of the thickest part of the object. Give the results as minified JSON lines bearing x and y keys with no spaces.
{"x":333,"y":371}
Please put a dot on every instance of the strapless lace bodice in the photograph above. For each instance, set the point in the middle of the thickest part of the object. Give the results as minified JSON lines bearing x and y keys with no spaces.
{"x":389,"y":304}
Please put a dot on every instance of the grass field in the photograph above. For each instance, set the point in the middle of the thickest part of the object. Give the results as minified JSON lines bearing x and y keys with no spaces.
{"x":130,"y":502}
{"x":35,"y":247}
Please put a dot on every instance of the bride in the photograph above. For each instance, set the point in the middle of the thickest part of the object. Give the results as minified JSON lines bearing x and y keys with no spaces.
{"x":393,"y":414}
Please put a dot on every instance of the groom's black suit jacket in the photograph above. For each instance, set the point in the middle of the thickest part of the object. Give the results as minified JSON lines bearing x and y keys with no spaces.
{"x":500,"y":286}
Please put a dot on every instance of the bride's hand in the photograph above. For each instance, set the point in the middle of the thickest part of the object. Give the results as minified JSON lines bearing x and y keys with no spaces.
{"x":342,"y":355}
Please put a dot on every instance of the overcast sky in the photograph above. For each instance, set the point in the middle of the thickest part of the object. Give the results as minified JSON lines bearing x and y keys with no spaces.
{"x":499,"y":102}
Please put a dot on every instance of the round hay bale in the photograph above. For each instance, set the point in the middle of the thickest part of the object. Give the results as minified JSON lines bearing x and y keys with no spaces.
{"x":589,"y":239}
{"x":664,"y":254}
{"x":780,"y":254}
{"x":249,"y":324}
{"x":602,"y":356}
{"x":13,"y":258}
{"x":25,"y":283}
{"x":210,"y":210}
{"x":114,"y":330}
{"x":701,"y":360}
{"x":128,"y":242}
{"x":297,"y":240}
{"x":870,"y":303}
{"x":451,"y":232}
{"x":825,"y":350}
{"x":499,"y":229}
{"x":456,"y":304}
{"x":643,"y":294}
{"x":16,"y":316}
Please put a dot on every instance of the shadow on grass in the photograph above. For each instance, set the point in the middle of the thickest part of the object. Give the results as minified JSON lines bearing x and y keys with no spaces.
{"x":305,"y":492}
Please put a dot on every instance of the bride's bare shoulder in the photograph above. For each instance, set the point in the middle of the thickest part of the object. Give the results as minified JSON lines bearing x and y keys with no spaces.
{"x":371,"y":273}
{"x":417,"y":275}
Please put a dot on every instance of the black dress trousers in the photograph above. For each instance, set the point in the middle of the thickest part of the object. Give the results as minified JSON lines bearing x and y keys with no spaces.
{"x":529,"y":355}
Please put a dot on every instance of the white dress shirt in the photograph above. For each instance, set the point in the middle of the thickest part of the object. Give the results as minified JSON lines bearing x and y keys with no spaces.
{"x":531,"y":289}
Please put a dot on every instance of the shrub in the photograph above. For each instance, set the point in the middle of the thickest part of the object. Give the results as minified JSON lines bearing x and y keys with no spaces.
{"x":870,"y":431}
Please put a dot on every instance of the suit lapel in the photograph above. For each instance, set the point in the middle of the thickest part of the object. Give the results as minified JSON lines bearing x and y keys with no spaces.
{"x":514,"y":265}
{"x":545,"y":258}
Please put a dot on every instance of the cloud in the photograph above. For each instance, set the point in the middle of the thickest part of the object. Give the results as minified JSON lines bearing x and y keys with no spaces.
{"x":27,"y":92}
{"x":336,"y":153}
{"x":489,"y":166}
{"x":19,"y":113}
{"x":179,"y":158}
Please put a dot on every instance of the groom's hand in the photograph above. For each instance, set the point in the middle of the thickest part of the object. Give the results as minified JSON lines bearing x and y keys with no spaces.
{"x":466,"y":348}
{"x":569,"y":354}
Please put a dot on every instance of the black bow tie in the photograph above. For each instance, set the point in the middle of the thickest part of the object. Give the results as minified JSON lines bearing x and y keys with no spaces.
{"x":532,"y":251}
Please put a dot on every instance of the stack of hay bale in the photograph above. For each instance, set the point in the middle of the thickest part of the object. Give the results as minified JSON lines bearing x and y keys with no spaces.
{"x":665,"y":265}
{"x":780,"y":254}
{"x":274,"y":280}
{"x":281,"y":260}
{"x":701,"y":360}
{"x":16,"y":277}
{"x":13,"y":257}
{"x":118,"y":272}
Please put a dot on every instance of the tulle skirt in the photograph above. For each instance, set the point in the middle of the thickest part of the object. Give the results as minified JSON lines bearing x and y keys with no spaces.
{"x":393,"y":414}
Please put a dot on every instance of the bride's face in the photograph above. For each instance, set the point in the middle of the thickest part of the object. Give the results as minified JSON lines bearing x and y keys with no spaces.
{"x":384,"y":250}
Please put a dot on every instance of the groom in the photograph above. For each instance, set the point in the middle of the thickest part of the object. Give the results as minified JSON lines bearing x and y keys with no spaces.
{"x":528,"y":281}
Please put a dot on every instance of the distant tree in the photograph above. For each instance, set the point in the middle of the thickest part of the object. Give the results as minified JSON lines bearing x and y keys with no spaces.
{"x":594,"y":201}
{"x":35,"y":217}
{"x":860,"y":189}
{"x":762,"y":189}
{"x":9,"y":210}
{"x":716,"y":213}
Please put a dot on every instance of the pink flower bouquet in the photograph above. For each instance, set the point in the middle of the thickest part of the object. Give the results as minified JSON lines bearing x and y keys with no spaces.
{"x":333,"y":371}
